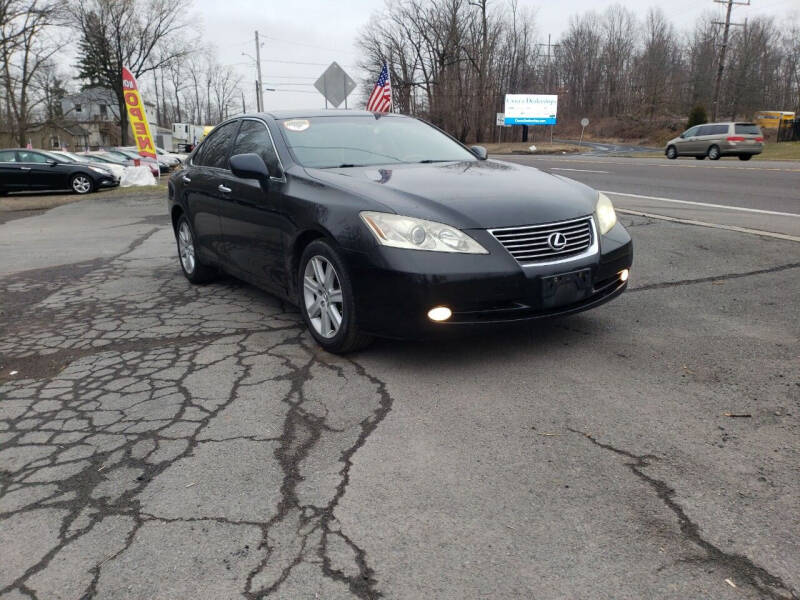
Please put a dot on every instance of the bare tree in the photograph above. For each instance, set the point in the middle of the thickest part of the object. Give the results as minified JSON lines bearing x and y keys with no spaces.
{"x":27,"y":43}
{"x":142,"y":35}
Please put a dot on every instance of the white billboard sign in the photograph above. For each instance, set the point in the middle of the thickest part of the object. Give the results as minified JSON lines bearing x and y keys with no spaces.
{"x":531,"y":109}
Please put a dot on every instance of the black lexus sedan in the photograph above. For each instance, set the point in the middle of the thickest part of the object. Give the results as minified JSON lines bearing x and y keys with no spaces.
{"x":383,"y":225}
{"x":23,"y":170}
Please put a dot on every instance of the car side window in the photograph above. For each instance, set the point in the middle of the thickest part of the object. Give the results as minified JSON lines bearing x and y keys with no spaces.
{"x":31,"y":157}
{"x":703,"y":130}
{"x":254,"y":138}
{"x":691,"y":132}
{"x":8,"y":156}
{"x":216,"y":148}
{"x":720,"y":129}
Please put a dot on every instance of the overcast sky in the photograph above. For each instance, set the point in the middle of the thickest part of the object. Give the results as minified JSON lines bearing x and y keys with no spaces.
{"x":321,"y":31}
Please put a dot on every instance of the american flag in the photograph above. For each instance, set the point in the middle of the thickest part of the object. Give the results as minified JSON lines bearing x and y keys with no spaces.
{"x":381,"y":98}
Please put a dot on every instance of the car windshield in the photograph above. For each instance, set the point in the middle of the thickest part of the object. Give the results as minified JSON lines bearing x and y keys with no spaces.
{"x":59,"y":156}
{"x":327,"y":142}
{"x":70,"y":157}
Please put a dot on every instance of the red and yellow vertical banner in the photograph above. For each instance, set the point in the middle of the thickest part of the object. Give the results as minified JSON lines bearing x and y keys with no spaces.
{"x":137,"y":116}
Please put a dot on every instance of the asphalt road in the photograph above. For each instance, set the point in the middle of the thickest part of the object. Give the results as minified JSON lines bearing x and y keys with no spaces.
{"x":764,"y":195}
{"x":160,"y":440}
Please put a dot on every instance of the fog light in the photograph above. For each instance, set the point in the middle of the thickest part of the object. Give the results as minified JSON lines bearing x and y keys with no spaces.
{"x":623,"y":276}
{"x":440,"y":313}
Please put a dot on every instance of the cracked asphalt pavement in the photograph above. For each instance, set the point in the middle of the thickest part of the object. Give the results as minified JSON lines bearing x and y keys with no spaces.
{"x":160,"y":440}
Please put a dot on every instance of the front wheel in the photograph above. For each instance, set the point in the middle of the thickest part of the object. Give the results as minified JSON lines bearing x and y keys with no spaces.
{"x":326,"y":299}
{"x":745,"y":156}
{"x":193,"y":269}
{"x":672,"y":153}
{"x":713,"y":153}
{"x":81,"y":184}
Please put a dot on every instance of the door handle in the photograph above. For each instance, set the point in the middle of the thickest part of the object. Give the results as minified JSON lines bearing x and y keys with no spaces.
{"x":223,"y":189}
{"x":24,"y":168}
{"x":186,"y":179}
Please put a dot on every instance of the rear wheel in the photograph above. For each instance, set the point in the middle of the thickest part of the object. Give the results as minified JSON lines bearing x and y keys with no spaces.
{"x":81,"y":183}
{"x":193,"y":269}
{"x":745,"y":156}
{"x":713,"y":153}
{"x":672,"y":153}
{"x":326,"y":299}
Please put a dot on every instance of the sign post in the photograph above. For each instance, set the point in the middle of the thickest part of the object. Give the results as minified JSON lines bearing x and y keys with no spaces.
{"x":584,"y":124}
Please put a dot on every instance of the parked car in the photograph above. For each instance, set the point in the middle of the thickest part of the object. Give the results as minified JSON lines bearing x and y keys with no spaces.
{"x":716,"y":140}
{"x":383,"y":225}
{"x":23,"y":170}
{"x":155,"y":168}
{"x":177,"y":159}
{"x":116,"y":169}
{"x":163,"y":164}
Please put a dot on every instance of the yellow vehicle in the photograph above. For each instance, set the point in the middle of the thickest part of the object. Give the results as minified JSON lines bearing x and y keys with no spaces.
{"x":770,"y":119}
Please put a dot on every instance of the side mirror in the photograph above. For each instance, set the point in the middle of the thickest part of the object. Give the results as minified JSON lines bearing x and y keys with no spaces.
{"x":52,"y":162}
{"x":480,"y":152}
{"x":249,"y":166}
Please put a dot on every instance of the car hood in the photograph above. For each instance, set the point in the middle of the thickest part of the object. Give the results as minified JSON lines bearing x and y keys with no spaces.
{"x":105,"y":166}
{"x":467,"y":195}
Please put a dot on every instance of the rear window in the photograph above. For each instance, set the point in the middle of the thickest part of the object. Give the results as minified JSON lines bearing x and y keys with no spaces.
{"x":747,"y":129}
{"x":8,"y":156}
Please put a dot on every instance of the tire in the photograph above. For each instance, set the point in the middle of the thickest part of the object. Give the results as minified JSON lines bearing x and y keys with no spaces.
{"x":713,"y":153}
{"x":325,"y":298}
{"x":700,"y":157}
{"x":195,"y":271}
{"x":745,"y":156}
{"x":81,"y":184}
{"x":672,"y":153}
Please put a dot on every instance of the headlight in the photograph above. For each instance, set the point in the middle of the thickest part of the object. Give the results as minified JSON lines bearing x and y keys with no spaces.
{"x":417,"y":234}
{"x":99,"y":170}
{"x":604,"y":211}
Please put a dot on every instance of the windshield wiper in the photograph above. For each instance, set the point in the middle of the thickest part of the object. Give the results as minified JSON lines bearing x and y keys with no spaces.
{"x":435,"y":160}
{"x":348,"y":166}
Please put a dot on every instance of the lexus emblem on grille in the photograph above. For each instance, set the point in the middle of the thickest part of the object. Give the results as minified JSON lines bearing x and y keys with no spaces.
{"x":557,"y":240}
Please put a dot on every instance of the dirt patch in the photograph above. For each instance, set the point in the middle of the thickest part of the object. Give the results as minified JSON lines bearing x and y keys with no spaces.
{"x":26,"y":205}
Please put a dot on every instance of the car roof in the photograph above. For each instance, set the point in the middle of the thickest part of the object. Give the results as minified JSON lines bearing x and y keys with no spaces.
{"x":309,"y":113}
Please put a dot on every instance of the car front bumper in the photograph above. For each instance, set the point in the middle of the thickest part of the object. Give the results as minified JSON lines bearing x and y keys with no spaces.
{"x":394,"y":289}
{"x":107,"y":182}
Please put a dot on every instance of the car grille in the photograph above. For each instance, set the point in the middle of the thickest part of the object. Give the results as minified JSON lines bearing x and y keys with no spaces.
{"x":529,"y":244}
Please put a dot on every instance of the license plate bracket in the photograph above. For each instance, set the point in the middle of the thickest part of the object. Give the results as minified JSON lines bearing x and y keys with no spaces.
{"x":566,"y":288}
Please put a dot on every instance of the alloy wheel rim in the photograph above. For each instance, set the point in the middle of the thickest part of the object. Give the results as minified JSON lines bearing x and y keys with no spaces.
{"x":81,"y":184}
{"x":186,"y":248}
{"x":322,"y":295}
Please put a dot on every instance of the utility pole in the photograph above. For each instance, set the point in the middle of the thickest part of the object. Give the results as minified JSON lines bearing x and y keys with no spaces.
{"x":260,"y":94}
{"x":549,"y":68}
{"x":723,"y":49}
